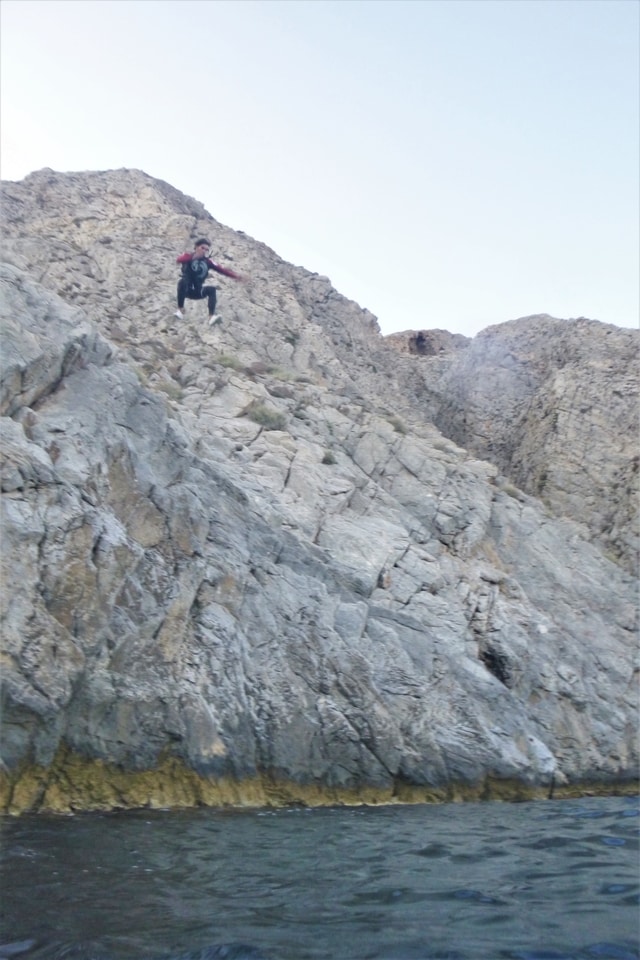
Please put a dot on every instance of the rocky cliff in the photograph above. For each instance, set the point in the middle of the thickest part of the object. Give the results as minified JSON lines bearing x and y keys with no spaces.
{"x":554,"y":404}
{"x":244,"y":565}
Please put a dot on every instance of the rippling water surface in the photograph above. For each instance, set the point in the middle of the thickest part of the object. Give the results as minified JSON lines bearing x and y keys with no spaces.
{"x":555,"y":880}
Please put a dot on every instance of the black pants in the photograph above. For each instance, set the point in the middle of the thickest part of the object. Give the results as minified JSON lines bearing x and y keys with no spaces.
{"x":185,"y":292}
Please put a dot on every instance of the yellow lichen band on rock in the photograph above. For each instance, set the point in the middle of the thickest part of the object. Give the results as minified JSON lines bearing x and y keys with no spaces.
{"x":73,"y":784}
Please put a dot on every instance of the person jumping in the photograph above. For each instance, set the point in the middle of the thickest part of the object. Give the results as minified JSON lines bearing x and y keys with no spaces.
{"x":195,"y":268}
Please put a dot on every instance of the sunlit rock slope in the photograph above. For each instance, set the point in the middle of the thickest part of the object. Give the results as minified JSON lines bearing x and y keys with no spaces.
{"x":243,"y":565}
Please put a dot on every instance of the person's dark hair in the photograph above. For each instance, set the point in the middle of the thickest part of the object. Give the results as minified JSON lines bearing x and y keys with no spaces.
{"x":202,"y":240}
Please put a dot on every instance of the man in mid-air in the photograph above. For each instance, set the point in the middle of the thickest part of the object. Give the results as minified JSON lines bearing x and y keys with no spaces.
{"x":195,"y":269}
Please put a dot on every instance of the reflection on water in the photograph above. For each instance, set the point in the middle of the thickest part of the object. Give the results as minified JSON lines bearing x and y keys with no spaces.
{"x":555,"y":880}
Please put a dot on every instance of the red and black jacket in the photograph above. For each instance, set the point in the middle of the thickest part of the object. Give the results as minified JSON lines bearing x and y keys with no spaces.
{"x":196,"y":269}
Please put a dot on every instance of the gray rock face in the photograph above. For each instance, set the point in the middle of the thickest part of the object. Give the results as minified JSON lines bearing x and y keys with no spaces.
{"x":427,"y":343}
{"x":554,"y":403}
{"x":243,"y":560}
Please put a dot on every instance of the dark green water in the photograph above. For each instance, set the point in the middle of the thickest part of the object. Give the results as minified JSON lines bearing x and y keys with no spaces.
{"x":556,"y":880}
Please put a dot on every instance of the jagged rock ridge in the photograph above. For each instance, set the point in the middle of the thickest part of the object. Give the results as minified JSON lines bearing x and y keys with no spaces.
{"x":242,"y":566}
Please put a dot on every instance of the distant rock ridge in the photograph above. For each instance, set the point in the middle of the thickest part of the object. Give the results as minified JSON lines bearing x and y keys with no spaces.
{"x":246,"y":565}
{"x":427,"y":343}
{"x":554,"y":404}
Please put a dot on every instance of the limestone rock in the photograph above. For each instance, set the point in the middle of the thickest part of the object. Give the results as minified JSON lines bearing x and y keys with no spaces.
{"x":427,"y":343}
{"x":242,"y":565}
{"x":554,"y":403}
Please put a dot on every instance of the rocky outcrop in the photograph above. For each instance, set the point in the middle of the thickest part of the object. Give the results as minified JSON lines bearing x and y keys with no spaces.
{"x":240,"y":565}
{"x":427,"y":343}
{"x":554,"y":403}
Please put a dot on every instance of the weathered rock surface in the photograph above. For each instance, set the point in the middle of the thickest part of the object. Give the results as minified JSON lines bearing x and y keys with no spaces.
{"x":242,"y":565}
{"x":427,"y":343}
{"x":554,"y":403}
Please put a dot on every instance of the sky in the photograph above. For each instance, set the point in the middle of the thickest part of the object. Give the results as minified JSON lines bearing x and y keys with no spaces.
{"x":447,"y":164}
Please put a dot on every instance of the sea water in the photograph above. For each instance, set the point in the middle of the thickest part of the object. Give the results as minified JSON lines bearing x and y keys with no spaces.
{"x":548,"y":880}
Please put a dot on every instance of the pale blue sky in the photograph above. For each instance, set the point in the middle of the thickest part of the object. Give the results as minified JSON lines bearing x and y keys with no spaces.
{"x":447,"y":163}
